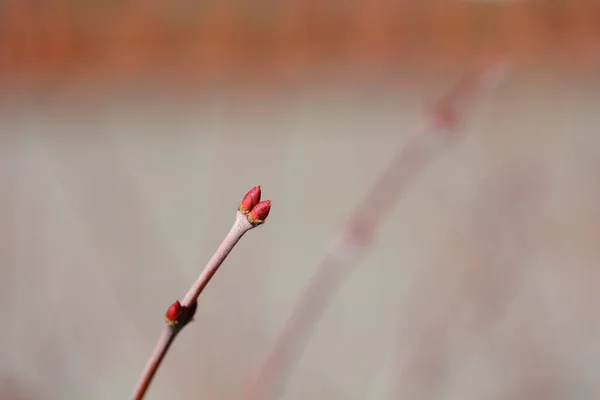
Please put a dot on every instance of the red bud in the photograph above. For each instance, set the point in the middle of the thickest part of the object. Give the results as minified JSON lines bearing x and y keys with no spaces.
{"x":250,"y":200}
{"x":173,"y":313}
{"x":259,"y":213}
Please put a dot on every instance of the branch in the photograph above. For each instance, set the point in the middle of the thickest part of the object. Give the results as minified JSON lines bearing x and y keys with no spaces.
{"x":251,"y":213}
{"x":410,"y":159}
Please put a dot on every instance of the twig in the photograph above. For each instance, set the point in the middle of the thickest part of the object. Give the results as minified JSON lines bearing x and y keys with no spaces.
{"x":360,"y":230}
{"x":251,"y":213}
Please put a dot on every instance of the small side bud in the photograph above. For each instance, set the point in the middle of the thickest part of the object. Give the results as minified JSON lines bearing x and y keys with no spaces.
{"x":259,"y":213}
{"x":250,"y":200}
{"x":173,"y":313}
{"x":177,"y":316}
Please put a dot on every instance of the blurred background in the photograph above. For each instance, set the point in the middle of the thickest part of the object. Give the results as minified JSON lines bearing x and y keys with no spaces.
{"x":131,"y":129}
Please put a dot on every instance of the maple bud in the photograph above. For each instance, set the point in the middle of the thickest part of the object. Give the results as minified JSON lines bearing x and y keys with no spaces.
{"x":173,"y":313}
{"x":250,"y":200}
{"x":259,"y":213}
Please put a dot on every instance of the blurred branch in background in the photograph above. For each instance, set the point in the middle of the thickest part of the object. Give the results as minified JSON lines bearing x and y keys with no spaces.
{"x":411,"y":158}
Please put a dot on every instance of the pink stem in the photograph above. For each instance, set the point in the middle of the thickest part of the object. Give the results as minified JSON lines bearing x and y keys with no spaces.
{"x":159,"y":352}
{"x":239,"y":228}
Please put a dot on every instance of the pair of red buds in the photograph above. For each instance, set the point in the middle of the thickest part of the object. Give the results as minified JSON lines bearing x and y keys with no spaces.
{"x":256,"y":210}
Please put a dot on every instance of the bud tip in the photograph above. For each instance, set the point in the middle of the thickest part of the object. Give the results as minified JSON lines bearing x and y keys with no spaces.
{"x":250,"y":200}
